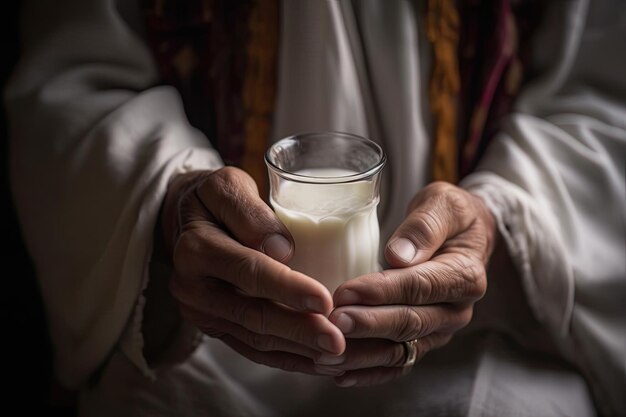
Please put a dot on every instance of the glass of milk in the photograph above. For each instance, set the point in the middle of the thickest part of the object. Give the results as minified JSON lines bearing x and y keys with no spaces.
{"x":324,"y":186}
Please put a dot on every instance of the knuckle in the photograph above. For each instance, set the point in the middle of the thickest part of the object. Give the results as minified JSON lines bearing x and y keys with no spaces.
{"x":250,"y":315}
{"x":386,"y":286}
{"x":449,"y":205}
{"x":473,"y":282}
{"x":433,"y":190}
{"x":248,"y":274}
{"x":437,"y":188}
{"x":211,"y":184}
{"x":298,"y":333}
{"x":369,"y":323}
{"x":426,"y":227}
{"x":224,"y":177}
{"x":440,"y":186}
{"x":225,"y":186}
{"x":459,"y":285}
{"x":455,"y":199}
{"x":231,"y":181}
{"x":412,"y":287}
{"x":426,"y":284}
{"x":409,"y":325}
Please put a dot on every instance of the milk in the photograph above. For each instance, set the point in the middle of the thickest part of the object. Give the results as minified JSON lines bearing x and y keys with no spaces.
{"x":334,"y":226}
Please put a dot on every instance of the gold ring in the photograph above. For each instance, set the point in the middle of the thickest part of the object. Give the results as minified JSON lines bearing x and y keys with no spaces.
{"x":410,"y":353}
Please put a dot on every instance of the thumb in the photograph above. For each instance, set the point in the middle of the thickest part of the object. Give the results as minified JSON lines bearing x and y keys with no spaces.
{"x":437,"y":213}
{"x":232,"y":198}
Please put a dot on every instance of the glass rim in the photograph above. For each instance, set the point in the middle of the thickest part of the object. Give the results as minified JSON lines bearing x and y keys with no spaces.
{"x":359,"y":176}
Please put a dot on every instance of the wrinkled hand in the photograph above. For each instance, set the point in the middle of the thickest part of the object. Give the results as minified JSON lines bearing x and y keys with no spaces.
{"x":228,"y":249}
{"x":438,"y":256}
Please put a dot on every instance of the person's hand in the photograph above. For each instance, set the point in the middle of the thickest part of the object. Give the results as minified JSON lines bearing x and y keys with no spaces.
{"x":438,"y":257}
{"x":228,"y":249}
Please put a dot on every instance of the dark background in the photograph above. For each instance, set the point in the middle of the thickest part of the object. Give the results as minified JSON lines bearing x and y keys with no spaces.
{"x":27,"y":352}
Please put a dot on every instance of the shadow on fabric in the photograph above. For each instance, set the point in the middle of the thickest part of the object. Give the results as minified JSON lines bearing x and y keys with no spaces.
{"x":30,"y":385}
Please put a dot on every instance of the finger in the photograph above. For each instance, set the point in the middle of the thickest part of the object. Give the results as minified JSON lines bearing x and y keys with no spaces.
{"x":437,"y":213}
{"x":281,"y":360}
{"x":231,"y":195}
{"x":206,"y":250}
{"x":399,"y":322}
{"x":257,"y":341}
{"x":209,"y":304}
{"x":360,"y":354}
{"x":376,"y":353}
{"x":178,"y":191}
{"x":447,"y":278}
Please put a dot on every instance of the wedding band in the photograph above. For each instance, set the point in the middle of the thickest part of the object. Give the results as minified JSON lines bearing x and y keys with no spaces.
{"x":410,"y":352}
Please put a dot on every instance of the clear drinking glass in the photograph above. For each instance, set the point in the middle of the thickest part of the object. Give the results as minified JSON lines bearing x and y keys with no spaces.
{"x":324,"y":186}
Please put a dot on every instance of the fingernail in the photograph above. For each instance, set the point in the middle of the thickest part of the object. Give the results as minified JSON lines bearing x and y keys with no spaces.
{"x":327,"y":370}
{"x":348,"y":382}
{"x":345,"y":323}
{"x":314,"y":304}
{"x":277,"y":247}
{"x":325,"y":342}
{"x":347,"y":297}
{"x":330,"y":360}
{"x":404,"y":249}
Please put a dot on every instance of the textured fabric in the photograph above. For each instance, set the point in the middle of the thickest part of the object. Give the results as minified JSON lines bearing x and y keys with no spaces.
{"x":199,"y":47}
{"x":93,"y":146}
{"x":92,"y":169}
{"x":260,"y":89}
{"x":442,"y":28}
{"x":222,"y":57}
{"x":555,"y":179}
{"x":480,"y":375}
{"x":494,"y":54}
{"x":347,"y":77}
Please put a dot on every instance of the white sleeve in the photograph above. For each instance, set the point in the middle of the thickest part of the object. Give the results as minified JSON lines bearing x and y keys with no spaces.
{"x":555,"y":179}
{"x":92,"y":145}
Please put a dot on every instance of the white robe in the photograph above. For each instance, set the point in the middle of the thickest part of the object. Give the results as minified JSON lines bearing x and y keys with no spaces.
{"x":94,"y":144}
